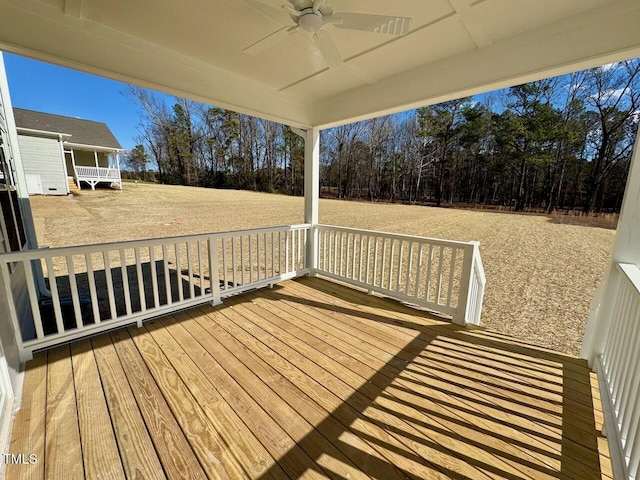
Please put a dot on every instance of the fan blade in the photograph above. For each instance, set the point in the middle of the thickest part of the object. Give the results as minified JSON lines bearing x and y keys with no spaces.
{"x":270,"y":40}
{"x":317,"y":4}
{"x":327,"y":48}
{"x":397,"y":26}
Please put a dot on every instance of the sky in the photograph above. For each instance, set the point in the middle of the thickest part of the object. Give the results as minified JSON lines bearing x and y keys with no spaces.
{"x":40,"y":86}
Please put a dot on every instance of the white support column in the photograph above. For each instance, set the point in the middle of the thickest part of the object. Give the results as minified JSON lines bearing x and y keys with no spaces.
{"x":626,"y":249}
{"x":95,"y":157}
{"x":64,"y":163}
{"x":312,"y":193}
{"x":75,"y":173}
{"x":118,"y":167}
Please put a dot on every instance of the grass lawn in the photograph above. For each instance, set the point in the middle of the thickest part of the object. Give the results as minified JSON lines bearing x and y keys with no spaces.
{"x":541,"y":274}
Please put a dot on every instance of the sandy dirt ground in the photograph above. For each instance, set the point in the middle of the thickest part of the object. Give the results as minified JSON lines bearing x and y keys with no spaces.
{"x":541,"y":275}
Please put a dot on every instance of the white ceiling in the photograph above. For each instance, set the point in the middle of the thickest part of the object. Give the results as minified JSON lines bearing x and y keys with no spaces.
{"x":194,"y":48}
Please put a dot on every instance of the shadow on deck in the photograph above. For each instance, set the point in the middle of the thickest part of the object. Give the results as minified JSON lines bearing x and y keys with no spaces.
{"x":310,"y":379}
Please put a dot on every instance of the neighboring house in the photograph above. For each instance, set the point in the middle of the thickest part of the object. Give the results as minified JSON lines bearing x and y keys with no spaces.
{"x":63,"y":153}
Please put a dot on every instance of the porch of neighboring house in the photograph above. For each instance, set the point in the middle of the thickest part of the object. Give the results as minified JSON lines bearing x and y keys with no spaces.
{"x":89,"y":168}
{"x":308,"y":379}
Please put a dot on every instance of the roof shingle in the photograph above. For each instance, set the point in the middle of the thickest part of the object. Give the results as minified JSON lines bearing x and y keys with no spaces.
{"x":83,"y":132}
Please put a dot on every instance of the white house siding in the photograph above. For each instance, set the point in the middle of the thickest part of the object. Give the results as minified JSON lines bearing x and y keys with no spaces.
{"x":25,"y":317}
{"x":42,"y":156}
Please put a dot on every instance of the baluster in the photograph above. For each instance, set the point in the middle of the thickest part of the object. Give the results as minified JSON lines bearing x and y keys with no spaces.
{"x":140,"y":278}
{"x":440,"y":267}
{"x":125,"y":282}
{"x":154,"y":276}
{"x":258,"y":259}
{"x":299,"y":234}
{"x":250,"y":258}
{"x":73,"y":286}
{"x":109,"y":278}
{"x":418,"y":280}
{"x":384,"y":261}
{"x":242,"y":265}
{"x":201,"y":269}
{"x":192,"y":289}
{"x":452,"y":271}
{"x":167,"y":278}
{"x":280,"y":252}
{"x":375,"y":263}
{"x":55,"y":297}
{"x":92,"y":287}
{"x":429,"y":268}
{"x":399,"y":273}
{"x":324,"y":251}
{"x":361,"y":258}
{"x":33,"y":297}
{"x":391,"y":257}
{"x":233,"y":261}
{"x":353,"y":258}
{"x":223,"y":241}
{"x":273,"y":256}
{"x":176,"y":247}
{"x":265,"y":256}
{"x":407,"y":289}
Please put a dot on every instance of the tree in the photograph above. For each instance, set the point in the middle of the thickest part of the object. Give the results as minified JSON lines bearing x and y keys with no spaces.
{"x":614,"y":97}
{"x":136,"y":160}
{"x":439,"y":124}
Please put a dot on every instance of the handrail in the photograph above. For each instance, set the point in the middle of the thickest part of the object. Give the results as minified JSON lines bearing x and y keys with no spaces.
{"x":56,"y":251}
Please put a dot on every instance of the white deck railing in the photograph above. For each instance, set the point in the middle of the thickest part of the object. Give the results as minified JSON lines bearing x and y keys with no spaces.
{"x":94,"y":288}
{"x":619,"y":374}
{"x":442,"y":275}
{"x":97,"y":173}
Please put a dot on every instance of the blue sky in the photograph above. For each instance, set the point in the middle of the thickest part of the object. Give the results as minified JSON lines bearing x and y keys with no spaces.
{"x":47,"y":88}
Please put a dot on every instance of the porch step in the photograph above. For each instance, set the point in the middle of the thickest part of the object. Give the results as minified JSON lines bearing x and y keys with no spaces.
{"x":72,"y":185}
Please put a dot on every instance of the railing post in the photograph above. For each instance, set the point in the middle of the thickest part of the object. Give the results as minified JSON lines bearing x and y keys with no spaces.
{"x":311,"y":194}
{"x":5,"y":279}
{"x":460,"y":317}
{"x":214,"y":273}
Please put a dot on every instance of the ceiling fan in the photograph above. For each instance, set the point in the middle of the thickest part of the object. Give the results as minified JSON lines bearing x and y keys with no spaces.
{"x":314,"y":16}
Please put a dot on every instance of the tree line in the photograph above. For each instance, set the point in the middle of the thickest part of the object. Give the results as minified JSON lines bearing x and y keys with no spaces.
{"x":559,"y":143}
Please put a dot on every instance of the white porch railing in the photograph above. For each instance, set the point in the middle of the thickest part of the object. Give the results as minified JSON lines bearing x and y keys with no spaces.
{"x":619,"y":374}
{"x":94,"y":288}
{"x":99,"y":287}
{"x":97,"y":173}
{"x":442,"y":275}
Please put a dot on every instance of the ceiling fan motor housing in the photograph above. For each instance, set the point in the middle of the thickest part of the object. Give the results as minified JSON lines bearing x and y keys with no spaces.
{"x":310,"y":21}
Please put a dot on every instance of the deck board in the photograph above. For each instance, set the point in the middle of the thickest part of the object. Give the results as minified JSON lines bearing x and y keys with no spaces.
{"x":177,"y":457}
{"x":309,"y":380}
{"x":99,"y":448}
{"x":62,"y":436}
{"x":137,"y":454}
{"x":29,"y":423}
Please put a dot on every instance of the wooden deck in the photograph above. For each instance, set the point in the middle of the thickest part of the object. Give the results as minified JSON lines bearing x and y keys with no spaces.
{"x":308,"y":380}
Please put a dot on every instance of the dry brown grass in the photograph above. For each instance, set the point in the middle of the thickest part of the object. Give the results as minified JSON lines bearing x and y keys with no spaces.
{"x":541,"y":275}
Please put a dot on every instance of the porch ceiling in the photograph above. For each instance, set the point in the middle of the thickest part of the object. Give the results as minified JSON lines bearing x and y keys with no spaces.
{"x":195,"y":49}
